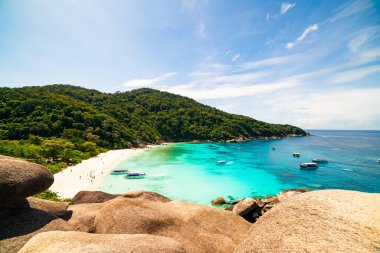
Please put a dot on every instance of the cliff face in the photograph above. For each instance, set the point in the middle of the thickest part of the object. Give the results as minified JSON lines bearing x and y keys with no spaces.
{"x":318,"y":221}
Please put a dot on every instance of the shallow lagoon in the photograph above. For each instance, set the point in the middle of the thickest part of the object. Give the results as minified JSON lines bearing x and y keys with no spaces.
{"x":189,"y":171}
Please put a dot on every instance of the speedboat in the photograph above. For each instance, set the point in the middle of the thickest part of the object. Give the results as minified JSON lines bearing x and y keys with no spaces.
{"x":378,"y":160}
{"x":296,"y":154}
{"x":134,"y":175}
{"x":119,"y":172}
{"x":308,"y":166}
{"x":221,"y":162}
{"x":319,"y":160}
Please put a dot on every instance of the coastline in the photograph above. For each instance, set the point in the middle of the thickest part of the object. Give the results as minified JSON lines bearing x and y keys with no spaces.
{"x":88,"y":175}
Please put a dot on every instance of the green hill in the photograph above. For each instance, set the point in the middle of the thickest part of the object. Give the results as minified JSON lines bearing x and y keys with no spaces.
{"x":68,"y":122}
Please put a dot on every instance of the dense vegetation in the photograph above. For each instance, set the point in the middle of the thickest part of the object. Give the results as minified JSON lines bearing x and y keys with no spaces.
{"x":50,"y":195}
{"x":57,"y":124}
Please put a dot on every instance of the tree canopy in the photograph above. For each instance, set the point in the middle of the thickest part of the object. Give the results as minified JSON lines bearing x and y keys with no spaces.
{"x":63,"y":121}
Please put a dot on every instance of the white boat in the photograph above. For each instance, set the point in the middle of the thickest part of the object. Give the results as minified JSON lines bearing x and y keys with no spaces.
{"x":308,"y":166}
{"x":119,"y":172}
{"x":319,"y":160}
{"x":221,"y":162}
{"x":134,"y":175}
{"x":296,"y":154}
{"x":378,"y":160}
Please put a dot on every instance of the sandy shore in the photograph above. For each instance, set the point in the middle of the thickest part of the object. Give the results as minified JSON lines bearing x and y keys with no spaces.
{"x":88,"y":175}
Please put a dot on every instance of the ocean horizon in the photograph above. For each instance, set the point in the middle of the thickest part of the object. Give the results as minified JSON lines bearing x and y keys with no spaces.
{"x":191,"y":172}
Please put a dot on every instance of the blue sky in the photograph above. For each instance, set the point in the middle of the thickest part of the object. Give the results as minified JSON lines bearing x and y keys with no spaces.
{"x":314,"y":64}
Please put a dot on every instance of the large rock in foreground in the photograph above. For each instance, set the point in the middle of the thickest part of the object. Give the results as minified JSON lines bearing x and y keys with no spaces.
{"x":198,"y":228}
{"x":78,"y":242}
{"x":20,"y":179}
{"x":92,"y":197}
{"x":83,"y":197}
{"x":54,"y":207}
{"x":146,"y":195}
{"x":82,"y":216}
{"x":17,"y":226}
{"x":318,"y":221}
{"x":282,"y":196}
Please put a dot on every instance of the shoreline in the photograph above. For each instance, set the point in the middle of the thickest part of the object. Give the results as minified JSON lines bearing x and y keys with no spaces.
{"x":88,"y":175}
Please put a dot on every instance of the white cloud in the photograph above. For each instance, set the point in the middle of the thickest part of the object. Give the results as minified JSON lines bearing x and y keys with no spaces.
{"x":289,"y":45}
{"x":362,"y":37}
{"x":331,"y":109}
{"x":269,"y":62}
{"x":351,"y":8}
{"x":308,"y":30}
{"x":354,"y":75}
{"x":231,"y":91}
{"x":338,"y":109}
{"x":285,"y":7}
{"x":234,"y":56}
{"x":358,"y":41}
{"x":369,"y":55}
{"x":136,"y":83}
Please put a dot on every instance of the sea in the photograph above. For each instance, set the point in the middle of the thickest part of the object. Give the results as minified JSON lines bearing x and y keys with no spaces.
{"x":201,"y":172}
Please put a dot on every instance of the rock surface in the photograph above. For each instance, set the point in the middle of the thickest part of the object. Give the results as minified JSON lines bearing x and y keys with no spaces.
{"x":147,"y":195}
{"x":289,"y":193}
{"x":248,"y":208}
{"x":20,"y":179}
{"x":318,"y":221}
{"x":78,"y":242}
{"x":218,"y":201}
{"x":19,"y":225}
{"x":245,"y":206}
{"x":53,"y":207}
{"x":271,"y":200}
{"x":92,"y":197}
{"x":82,"y":216}
{"x":198,"y":228}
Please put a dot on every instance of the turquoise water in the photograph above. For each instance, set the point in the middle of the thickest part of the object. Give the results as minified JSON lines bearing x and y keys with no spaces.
{"x":188,"y":171}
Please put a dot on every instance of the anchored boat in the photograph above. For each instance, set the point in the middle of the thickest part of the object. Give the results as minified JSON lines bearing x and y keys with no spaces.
{"x":319,"y":160}
{"x":134,"y":175}
{"x":221,"y":162}
{"x":296,"y":154}
{"x":119,"y":172}
{"x":308,"y":166}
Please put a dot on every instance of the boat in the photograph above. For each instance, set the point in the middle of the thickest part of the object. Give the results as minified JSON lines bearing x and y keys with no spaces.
{"x":221,"y":162}
{"x":273,"y":148}
{"x":134,"y":175}
{"x":319,"y":160}
{"x":296,"y":154}
{"x":308,"y":166}
{"x":378,"y":160}
{"x":119,"y":172}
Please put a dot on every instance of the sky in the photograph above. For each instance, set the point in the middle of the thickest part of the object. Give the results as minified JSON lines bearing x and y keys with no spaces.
{"x":314,"y":64}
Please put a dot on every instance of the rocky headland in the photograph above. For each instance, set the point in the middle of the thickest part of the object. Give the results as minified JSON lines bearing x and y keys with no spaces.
{"x":142,"y":221}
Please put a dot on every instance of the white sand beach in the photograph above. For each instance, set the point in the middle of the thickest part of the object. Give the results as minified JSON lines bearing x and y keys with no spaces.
{"x":88,"y":175}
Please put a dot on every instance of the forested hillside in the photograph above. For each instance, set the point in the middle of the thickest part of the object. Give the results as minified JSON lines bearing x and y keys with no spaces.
{"x":67,"y":122}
